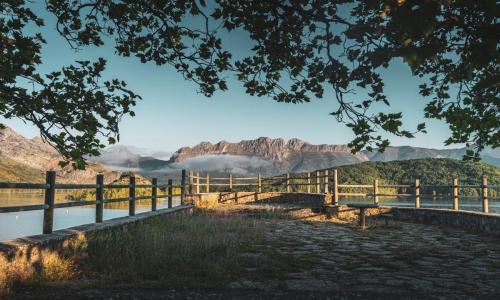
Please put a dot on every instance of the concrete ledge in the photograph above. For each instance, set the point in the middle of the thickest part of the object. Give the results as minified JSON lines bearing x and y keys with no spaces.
{"x":214,"y":199}
{"x":350,"y":213}
{"x":57,"y":239}
{"x":468,"y":220}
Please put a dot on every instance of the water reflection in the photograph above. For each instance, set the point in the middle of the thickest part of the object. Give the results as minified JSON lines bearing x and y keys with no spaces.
{"x":464,"y":203}
{"x":19,"y":224}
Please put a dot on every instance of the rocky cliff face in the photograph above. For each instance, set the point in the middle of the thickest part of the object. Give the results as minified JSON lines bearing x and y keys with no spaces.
{"x":297,"y":156}
{"x":31,"y":152}
{"x":279,"y":156}
{"x":263,"y":155}
{"x":273,"y":149}
{"x":39,"y":155}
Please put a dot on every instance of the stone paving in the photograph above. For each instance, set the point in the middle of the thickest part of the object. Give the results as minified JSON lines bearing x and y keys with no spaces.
{"x":400,"y":258}
{"x":307,"y":256}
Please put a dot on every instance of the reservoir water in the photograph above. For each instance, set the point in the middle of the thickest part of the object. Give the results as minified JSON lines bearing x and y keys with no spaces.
{"x":20,"y":224}
{"x":464,"y":203}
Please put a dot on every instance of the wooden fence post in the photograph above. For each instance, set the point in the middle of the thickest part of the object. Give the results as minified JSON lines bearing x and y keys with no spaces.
{"x":208,"y":183}
{"x":327,"y":187}
{"x":170,"y":190}
{"x":230,"y":182}
{"x":455,"y":193}
{"x":417,"y":193}
{"x":50,"y":195}
{"x":308,"y":182}
{"x":131,"y":194}
{"x":154,"y":193}
{"x":183,"y":186}
{"x":318,"y":183}
{"x":335,"y":188}
{"x":197,"y":182}
{"x":375,"y":191}
{"x":485,"y":194}
{"x":190,"y":182}
{"x":99,"y":198}
{"x":287,"y":183}
{"x":259,"y":180}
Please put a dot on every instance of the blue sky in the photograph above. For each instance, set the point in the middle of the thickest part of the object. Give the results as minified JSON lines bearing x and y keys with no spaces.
{"x":172,"y":114}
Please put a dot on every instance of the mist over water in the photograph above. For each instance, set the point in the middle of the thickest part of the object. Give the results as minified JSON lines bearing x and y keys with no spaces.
{"x":228,"y":163}
{"x":21,"y":224}
{"x":236,"y":164}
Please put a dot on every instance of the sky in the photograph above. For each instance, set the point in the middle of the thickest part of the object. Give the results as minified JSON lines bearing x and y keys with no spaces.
{"x":173,"y":114}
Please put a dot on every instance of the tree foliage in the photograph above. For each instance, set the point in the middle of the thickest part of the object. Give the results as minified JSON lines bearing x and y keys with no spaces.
{"x":431,"y":172}
{"x":301,"y":50}
{"x":71,"y":107}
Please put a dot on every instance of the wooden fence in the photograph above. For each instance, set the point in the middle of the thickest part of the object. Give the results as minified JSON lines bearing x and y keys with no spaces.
{"x":50,"y":187}
{"x":326,"y":182}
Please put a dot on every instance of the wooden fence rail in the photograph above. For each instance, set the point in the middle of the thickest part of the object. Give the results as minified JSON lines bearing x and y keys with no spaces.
{"x":50,"y":187}
{"x":326,"y":182}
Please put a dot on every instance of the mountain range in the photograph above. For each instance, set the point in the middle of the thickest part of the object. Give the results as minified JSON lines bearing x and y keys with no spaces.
{"x":268,"y":157}
{"x":23,"y":159}
{"x":26,"y":160}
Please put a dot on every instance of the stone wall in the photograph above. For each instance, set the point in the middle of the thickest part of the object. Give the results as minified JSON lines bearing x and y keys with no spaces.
{"x":468,"y":220}
{"x":58,"y":240}
{"x":214,"y":199}
{"x":348,"y":213}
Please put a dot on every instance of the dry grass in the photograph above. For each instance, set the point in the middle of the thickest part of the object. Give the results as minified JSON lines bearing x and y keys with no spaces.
{"x":197,"y":250}
{"x":257,"y":211}
{"x":40,"y":266}
{"x":200,"y":249}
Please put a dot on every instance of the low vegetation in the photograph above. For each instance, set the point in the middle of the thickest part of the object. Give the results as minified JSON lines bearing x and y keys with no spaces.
{"x":200,"y":250}
{"x":12,"y":171}
{"x":430,"y":171}
{"x":39,"y":267}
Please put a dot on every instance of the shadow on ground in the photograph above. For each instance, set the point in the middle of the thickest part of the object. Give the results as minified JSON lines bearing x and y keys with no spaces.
{"x":301,"y":254}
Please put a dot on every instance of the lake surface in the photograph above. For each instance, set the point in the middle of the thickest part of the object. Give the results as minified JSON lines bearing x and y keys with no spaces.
{"x":464,"y":203}
{"x":20,"y":224}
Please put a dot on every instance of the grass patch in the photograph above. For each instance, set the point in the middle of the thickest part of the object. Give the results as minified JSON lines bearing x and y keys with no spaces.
{"x":39,"y":267}
{"x":254,"y":211}
{"x":198,"y":250}
{"x":207,"y":249}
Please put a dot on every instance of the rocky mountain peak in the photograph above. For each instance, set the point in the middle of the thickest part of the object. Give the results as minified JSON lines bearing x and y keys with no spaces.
{"x":295,"y":144}
{"x":39,"y":155}
{"x":265,"y":147}
{"x":31,"y":152}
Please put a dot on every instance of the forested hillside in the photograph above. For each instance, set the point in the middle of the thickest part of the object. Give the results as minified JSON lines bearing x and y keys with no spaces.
{"x":13,"y":171}
{"x":429,"y":171}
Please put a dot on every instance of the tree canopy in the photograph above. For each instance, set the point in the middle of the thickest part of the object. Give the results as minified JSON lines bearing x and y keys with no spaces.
{"x":302,"y":50}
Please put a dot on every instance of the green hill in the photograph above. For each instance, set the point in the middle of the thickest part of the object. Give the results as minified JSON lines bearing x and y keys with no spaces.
{"x":12,"y":171}
{"x":429,"y":171}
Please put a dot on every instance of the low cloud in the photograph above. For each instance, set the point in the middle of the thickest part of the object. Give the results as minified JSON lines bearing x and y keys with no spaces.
{"x":236,"y":164}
